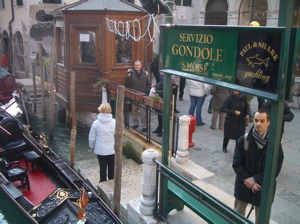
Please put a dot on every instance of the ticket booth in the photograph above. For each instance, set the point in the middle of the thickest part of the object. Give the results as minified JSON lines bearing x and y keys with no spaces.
{"x":91,"y":39}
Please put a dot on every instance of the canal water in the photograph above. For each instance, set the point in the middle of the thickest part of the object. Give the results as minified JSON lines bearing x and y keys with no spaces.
{"x":61,"y":141}
{"x":61,"y":135}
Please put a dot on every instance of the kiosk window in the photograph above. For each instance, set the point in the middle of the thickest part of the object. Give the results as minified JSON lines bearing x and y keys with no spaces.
{"x":87,"y":48}
{"x":123,"y":50}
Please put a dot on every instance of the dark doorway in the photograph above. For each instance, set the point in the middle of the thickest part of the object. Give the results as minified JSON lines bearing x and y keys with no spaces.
{"x":216,"y":12}
{"x":253,"y":10}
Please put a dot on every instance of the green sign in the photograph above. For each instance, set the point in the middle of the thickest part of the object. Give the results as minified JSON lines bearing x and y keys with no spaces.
{"x":245,"y":58}
{"x":205,"y":53}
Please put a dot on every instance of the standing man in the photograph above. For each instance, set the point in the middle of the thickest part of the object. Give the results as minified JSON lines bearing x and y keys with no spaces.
{"x":181,"y":87}
{"x":249,"y":164}
{"x":137,"y":79}
{"x":175,"y":83}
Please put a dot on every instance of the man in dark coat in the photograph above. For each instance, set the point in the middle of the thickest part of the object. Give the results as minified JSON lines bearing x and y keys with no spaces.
{"x":237,"y":112}
{"x":249,"y":164}
{"x":138,"y":79}
{"x":287,"y":116}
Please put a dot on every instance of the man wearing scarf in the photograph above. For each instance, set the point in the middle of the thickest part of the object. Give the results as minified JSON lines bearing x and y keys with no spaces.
{"x":249,"y":164}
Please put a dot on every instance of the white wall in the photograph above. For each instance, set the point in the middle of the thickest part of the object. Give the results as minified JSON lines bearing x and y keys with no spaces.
{"x":24,"y":20}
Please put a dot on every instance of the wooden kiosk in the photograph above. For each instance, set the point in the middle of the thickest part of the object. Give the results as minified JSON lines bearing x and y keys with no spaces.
{"x":88,"y":44}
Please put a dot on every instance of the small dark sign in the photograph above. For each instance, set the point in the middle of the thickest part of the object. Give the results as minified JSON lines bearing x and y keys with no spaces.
{"x":258,"y":61}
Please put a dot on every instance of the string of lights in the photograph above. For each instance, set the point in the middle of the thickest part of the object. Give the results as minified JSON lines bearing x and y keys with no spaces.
{"x":47,"y":24}
{"x":132,"y":28}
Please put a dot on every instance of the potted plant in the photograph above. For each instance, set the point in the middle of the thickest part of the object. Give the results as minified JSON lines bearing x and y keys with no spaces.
{"x":134,"y":94}
{"x":154,"y":101}
{"x":99,"y":84}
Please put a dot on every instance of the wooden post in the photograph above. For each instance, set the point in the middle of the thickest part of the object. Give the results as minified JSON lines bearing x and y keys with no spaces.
{"x":42,"y":82}
{"x":73,"y":120}
{"x":51,"y":84}
{"x":118,"y":149}
{"x":34,"y":87}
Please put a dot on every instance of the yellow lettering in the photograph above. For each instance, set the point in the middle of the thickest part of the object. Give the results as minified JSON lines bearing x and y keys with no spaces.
{"x":219,"y":55}
{"x":197,"y":52}
{"x":194,"y":67}
{"x":175,"y":49}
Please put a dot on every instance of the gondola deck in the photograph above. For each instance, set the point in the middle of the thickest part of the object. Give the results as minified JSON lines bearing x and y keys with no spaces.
{"x":55,"y":189}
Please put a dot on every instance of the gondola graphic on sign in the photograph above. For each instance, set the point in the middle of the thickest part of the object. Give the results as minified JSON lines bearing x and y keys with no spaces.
{"x":255,"y":60}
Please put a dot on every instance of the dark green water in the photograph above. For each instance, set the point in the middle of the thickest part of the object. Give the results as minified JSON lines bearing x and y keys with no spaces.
{"x":61,"y":135}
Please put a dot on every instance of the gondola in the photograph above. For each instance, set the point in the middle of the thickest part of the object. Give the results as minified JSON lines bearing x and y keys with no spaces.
{"x":43,"y":188}
{"x":13,"y":96}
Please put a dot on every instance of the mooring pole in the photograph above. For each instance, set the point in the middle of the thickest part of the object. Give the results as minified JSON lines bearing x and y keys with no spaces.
{"x":33,"y":64}
{"x":42,"y":82}
{"x":118,"y":149}
{"x":51,"y":87}
{"x":73,"y":120}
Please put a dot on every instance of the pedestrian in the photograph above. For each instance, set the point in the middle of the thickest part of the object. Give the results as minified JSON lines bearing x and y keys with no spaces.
{"x":198,"y":92}
{"x":155,"y":68}
{"x":249,"y":164}
{"x":249,"y":98}
{"x":287,"y":116}
{"x":159,"y":90}
{"x":260,"y":101}
{"x":218,"y":96}
{"x":209,"y":109}
{"x":175,"y":83}
{"x":102,"y":141}
{"x":181,"y":87}
{"x":138,"y":79}
{"x":236,"y":108}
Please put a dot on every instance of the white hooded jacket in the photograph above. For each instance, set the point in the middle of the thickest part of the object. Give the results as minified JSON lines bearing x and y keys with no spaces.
{"x":198,"y":89}
{"x":101,"y":136}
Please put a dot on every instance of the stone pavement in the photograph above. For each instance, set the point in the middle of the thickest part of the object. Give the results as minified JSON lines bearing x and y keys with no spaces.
{"x":210,"y":169}
{"x":208,"y":154}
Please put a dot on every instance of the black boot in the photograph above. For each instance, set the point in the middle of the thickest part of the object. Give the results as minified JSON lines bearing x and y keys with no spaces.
{"x":157,"y":130}
{"x":209,"y":110}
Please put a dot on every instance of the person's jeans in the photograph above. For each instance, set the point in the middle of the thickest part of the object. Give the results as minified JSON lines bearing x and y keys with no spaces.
{"x":197,"y":103}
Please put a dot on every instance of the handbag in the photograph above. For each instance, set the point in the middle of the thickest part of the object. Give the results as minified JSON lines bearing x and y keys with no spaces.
{"x":207,"y":89}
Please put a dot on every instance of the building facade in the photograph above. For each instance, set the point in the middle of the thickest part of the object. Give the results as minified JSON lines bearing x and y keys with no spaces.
{"x":23,"y":25}
{"x":227,"y":12}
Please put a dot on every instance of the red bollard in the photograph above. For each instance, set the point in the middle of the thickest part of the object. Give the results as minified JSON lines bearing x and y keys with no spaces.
{"x":192,"y":129}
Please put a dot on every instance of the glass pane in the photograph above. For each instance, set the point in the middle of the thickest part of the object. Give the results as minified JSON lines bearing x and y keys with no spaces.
{"x":177,"y":2}
{"x":1,"y":4}
{"x":87,"y":47}
{"x":62,"y":46}
{"x":187,"y":2}
{"x":123,"y":50}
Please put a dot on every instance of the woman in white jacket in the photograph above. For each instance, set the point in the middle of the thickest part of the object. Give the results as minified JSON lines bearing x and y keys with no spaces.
{"x":197,"y":91}
{"x":102,"y":141}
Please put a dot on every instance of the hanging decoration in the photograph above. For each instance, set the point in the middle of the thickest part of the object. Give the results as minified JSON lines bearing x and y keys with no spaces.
{"x":43,"y":24}
{"x":132,"y":29}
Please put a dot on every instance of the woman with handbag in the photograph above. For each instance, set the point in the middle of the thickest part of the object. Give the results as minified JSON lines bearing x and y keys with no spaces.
{"x":198,"y":92}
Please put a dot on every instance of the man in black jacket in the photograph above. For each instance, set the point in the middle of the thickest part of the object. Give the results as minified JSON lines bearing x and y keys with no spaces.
{"x":249,"y":164}
{"x":138,"y":79}
{"x":287,"y":116}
